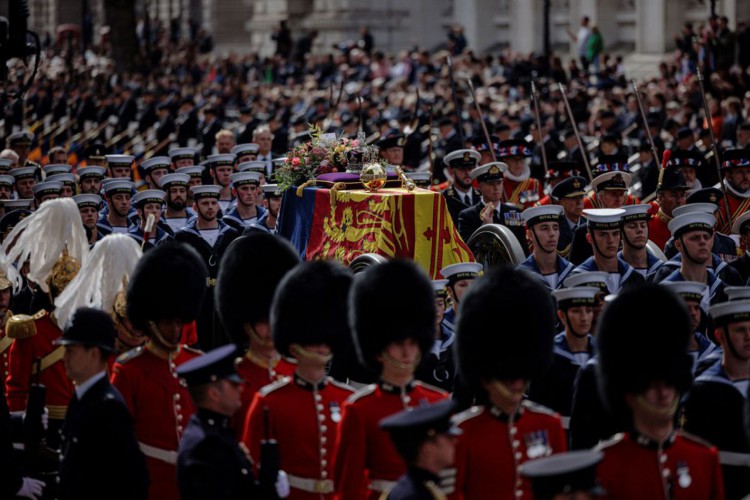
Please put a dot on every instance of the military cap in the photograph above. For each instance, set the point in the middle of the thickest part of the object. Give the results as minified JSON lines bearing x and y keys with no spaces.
{"x":7,"y":180}
{"x":67,"y":179}
{"x":297,"y":318}
{"x":393,"y":139}
{"x":208,"y":191}
{"x":57,"y":168}
{"x":685,"y":158}
{"x":572,"y":187}
{"x":562,"y":169}
{"x":94,"y":171}
{"x":220,"y":160}
{"x":590,"y":278}
{"x":695,"y":221}
{"x":523,"y":347}
{"x":610,"y":137}
{"x":141,"y":198}
{"x":88,"y":200}
{"x":17,"y":203}
{"x":734,"y":158}
{"x":726,"y":313}
{"x":271,"y":191}
{"x":14,"y":216}
{"x":461,"y":271}
{"x":156,"y":163}
{"x":408,"y":429}
{"x":117,"y":186}
{"x":462,"y":158}
{"x":610,"y":163}
{"x":604,"y":218}
{"x":217,"y":364}
{"x":684,"y":133}
{"x":575,"y":296}
{"x":252,"y":166}
{"x":168,"y":180}
{"x":262,"y":259}
{"x":249,"y":148}
{"x":666,"y":359}
{"x":90,"y":327}
{"x":513,"y":147}
{"x":691,"y":208}
{"x":23,"y":173}
{"x":733,"y":292}
{"x":635,"y":213}
{"x":421,"y":179}
{"x":494,"y":171}
{"x":611,"y":181}
{"x":120,"y":160}
{"x":689,"y":290}
{"x":169,"y":282}
{"x":741,"y":224}
{"x":192,"y":170}
{"x":482,"y":145}
{"x":47,"y":188}
{"x":5,"y":165}
{"x":542,"y":213}
{"x":245,"y":178}
{"x":176,"y":154}
{"x":403,"y":289}
{"x":671,"y":177}
{"x":439,"y":287}
{"x":22,"y":138}
{"x":563,"y":474}
{"x":96,"y":151}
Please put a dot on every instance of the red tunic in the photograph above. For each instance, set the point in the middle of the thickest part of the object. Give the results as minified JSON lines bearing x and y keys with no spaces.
{"x":303,"y":418}
{"x":737,"y":205}
{"x":523,"y":194}
{"x":364,"y":452}
{"x":161,"y":408}
{"x":684,"y":467}
{"x":658,"y":230}
{"x":5,"y":343}
{"x":23,"y":354}
{"x":493,"y":446}
{"x":257,"y":373}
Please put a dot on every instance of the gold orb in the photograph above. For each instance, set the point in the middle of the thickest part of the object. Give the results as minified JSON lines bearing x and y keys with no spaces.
{"x":373,"y":176}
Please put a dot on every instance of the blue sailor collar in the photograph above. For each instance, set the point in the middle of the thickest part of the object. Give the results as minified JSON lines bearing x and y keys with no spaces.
{"x":561,"y":347}
{"x":715,"y":373}
{"x":564,"y":268}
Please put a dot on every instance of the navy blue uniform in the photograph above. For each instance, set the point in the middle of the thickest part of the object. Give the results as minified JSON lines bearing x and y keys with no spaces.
{"x":564,"y":268}
{"x":416,"y":484}
{"x":727,"y":274}
{"x":590,"y":422}
{"x":455,"y":201}
{"x":469,"y":220}
{"x":628,"y":275}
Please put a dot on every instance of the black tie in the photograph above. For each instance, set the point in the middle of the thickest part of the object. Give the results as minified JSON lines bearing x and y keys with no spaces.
{"x":467,"y":199}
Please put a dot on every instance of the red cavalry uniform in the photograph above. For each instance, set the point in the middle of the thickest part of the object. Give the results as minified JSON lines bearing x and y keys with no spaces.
{"x":737,"y":206}
{"x":524,"y":193}
{"x":592,"y":201}
{"x":365,"y":462}
{"x":161,"y":408}
{"x":23,"y":354}
{"x":635,"y":466}
{"x":493,"y":446}
{"x":303,"y":418}
{"x":658,"y":226}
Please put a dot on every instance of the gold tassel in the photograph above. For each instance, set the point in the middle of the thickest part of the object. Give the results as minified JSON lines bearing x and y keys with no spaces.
{"x":301,"y":189}
{"x":335,"y":189}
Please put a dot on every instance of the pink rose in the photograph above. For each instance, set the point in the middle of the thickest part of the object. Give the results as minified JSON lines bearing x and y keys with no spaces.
{"x":354,"y":143}
{"x":295,"y":162}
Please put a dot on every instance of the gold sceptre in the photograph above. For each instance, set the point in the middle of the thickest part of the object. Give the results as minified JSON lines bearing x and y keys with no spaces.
{"x":405,"y":181}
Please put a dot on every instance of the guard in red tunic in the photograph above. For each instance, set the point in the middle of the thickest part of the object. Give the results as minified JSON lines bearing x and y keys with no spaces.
{"x":248,"y":276}
{"x":302,"y":413}
{"x":642,"y":384}
{"x":520,"y":189}
{"x":504,"y":430}
{"x":393,"y":317}
{"x":671,"y":192}
{"x":164,"y":293}
{"x":735,"y":167}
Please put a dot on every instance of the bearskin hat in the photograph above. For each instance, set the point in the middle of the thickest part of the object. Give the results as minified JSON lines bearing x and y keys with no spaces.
{"x":309,"y":307}
{"x":506,"y":328}
{"x":627,"y":365}
{"x":391,"y":302}
{"x":168,"y":282}
{"x":250,"y":271}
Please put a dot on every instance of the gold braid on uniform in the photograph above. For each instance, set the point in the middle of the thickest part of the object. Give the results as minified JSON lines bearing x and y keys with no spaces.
{"x":663,"y":217}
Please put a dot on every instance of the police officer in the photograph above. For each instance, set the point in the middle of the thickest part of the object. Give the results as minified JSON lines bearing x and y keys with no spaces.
{"x":425,"y":439}
{"x":543,"y":232}
{"x":97,"y":422}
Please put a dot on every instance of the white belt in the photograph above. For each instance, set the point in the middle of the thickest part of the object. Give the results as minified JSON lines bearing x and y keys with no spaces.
{"x":310,"y":485}
{"x":565,"y":422}
{"x":168,"y":456}
{"x":732,"y":458}
{"x":382,"y":485}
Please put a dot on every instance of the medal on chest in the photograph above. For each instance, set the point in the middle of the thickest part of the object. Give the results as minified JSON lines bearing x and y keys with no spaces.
{"x":335,"y":411}
{"x":537,"y":445}
{"x":683,"y":475}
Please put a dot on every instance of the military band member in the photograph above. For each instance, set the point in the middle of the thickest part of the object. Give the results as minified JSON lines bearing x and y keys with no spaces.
{"x":520,"y":189}
{"x":68,"y":181}
{"x":604,"y":237}
{"x":460,"y":277}
{"x":634,"y":240}
{"x":569,"y":195}
{"x":302,"y":413}
{"x":504,"y":430}
{"x":246,"y":211}
{"x":25,"y":180}
{"x":543,"y":232}
{"x":438,"y":367}
{"x":565,"y":476}
{"x":425,"y":439}
{"x":221,"y":167}
{"x":47,"y":190}
{"x":461,"y":194}
{"x":97,"y":422}
{"x":154,"y":169}
{"x":164,"y":293}
{"x":148,"y":202}
{"x":210,"y":237}
{"x":671,"y":192}
{"x":182,"y":157}
{"x":490,"y":209}
{"x":720,"y":391}
{"x":88,"y":206}
{"x":90,"y":179}
{"x":210,"y":462}
{"x":392,"y":348}
{"x":248,"y":277}
{"x":117,"y":193}
{"x":736,"y":170}
{"x":573,"y":348}
{"x":120,"y":166}
{"x":651,"y":459}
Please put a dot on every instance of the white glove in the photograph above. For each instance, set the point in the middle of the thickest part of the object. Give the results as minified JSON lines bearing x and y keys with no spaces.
{"x":31,"y":488}
{"x":45,"y":419}
{"x":282,"y":484}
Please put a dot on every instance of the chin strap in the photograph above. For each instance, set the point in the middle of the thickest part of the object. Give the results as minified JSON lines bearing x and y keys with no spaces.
{"x":154,"y":330}
{"x":300,"y":352}
{"x":404,"y":367}
{"x":570,"y":327}
{"x":655,"y":411}
{"x":250,"y":332}
{"x":539,"y":245}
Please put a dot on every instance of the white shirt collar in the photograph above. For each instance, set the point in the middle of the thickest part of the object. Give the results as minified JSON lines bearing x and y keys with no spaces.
{"x":85,"y":386}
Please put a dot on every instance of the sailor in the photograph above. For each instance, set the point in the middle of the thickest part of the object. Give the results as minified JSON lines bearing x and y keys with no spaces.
{"x":438,"y":367}
{"x":117,"y":193}
{"x":634,"y":231}
{"x":154,"y":169}
{"x":176,"y":212}
{"x":460,"y":277}
{"x":147,"y":203}
{"x":247,"y":210}
{"x":543,"y":232}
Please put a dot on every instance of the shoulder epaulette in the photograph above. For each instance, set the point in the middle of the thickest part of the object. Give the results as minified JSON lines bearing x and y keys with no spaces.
{"x":465,"y":415}
{"x":192,"y":349}
{"x":267,"y":389}
{"x":695,"y":439}
{"x":535,"y":407}
{"x":614,"y":440}
{"x":21,"y":326}
{"x":341,"y":385}
{"x":365,"y":391}
{"x":130,"y":355}
{"x":430,"y":387}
